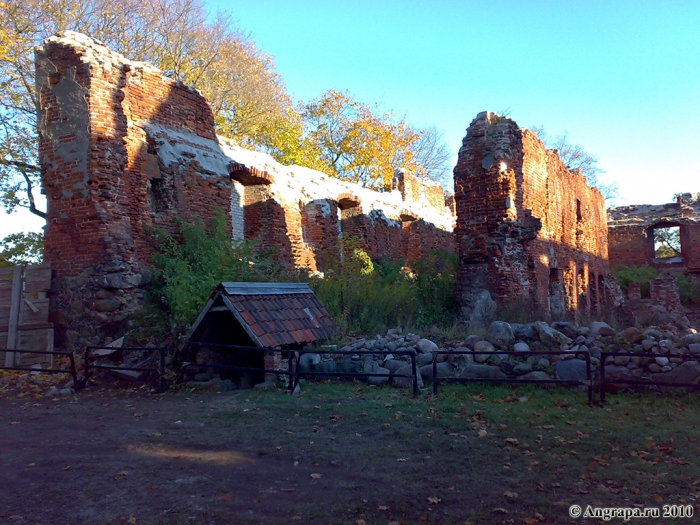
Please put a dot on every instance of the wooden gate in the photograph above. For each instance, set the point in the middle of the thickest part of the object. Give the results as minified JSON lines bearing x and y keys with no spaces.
{"x":24,"y":314}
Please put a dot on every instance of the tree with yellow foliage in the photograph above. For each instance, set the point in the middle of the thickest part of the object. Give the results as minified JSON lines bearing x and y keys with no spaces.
{"x":246,"y":93}
{"x":356,"y":142}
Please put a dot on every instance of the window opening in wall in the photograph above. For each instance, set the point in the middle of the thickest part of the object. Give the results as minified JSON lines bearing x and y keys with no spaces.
{"x":667,"y":242}
{"x":645,"y":289}
{"x":593,"y":291}
{"x":159,"y":195}
{"x":602,"y":291}
{"x":579,"y":216}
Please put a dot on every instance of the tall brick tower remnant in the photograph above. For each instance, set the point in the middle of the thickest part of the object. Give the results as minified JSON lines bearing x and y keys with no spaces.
{"x":529,"y":230}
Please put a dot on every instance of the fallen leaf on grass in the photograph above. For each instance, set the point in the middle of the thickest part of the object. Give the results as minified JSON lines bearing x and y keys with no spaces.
{"x":500,"y":510}
{"x":434,"y":500}
{"x":132,"y":520}
{"x":483,"y":433}
{"x":32,"y":465}
{"x":296,"y":518}
{"x":316,"y":476}
{"x":66,"y":468}
{"x":382,"y":507}
{"x":14,"y":422}
{"x":401,"y":460}
{"x":510,"y":494}
{"x":360,"y":522}
{"x":512,"y":441}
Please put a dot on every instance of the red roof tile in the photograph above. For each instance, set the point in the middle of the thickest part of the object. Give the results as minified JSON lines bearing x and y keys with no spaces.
{"x":280,"y":313}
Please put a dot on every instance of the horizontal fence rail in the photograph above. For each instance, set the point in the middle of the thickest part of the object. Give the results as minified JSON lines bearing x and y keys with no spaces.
{"x":160,"y":370}
{"x":222,"y":346}
{"x":72,"y":371}
{"x":586,"y":355}
{"x":298,"y":374}
{"x":645,"y":382}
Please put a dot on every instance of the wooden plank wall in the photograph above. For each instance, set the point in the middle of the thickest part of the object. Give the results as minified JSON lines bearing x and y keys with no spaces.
{"x":24,"y":313}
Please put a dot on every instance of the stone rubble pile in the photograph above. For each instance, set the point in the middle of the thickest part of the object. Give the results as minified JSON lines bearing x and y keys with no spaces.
{"x":503,"y":352}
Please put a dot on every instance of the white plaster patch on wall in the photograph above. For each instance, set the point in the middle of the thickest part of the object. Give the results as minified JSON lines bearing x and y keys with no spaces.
{"x":177,"y":147}
{"x":292,"y":184}
{"x":237,"y":217}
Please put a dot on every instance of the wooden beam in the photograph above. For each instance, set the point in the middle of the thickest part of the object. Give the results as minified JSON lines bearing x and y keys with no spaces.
{"x":15,"y":299}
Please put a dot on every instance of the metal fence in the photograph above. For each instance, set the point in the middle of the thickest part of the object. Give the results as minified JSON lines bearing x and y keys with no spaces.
{"x":586,"y":355}
{"x":294,"y":371}
{"x":54,"y":353}
{"x":646,"y":382}
{"x":222,"y":346}
{"x":160,"y":369}
{"x":299,"y":374}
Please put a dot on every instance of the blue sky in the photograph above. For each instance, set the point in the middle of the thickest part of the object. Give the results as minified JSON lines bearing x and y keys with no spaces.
{"x":621,"y":77}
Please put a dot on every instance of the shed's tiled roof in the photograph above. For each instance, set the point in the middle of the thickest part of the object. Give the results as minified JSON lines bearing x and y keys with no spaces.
{"x":279,"y":314}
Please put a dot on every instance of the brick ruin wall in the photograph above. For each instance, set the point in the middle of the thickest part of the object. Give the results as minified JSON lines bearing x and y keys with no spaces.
{"x":631,"y":231}
{"x":529,"y":230}
{"x":124,"y":149}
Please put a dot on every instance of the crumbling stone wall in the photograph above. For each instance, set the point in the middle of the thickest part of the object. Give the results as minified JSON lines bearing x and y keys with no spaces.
{"x":528,"y":230}
{"x":632,"y":239}
{"x":124,"y":149}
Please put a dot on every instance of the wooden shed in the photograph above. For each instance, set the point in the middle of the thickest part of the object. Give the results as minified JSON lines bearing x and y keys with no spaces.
{"x":284,"y":316}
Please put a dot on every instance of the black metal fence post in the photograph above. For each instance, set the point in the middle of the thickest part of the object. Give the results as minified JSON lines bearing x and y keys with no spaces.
{"x":87,"y":365}
{"x":415,"y":374}
{"x":435,"y":377}
{"x":603,"y":358}
{"x":589,"y":373}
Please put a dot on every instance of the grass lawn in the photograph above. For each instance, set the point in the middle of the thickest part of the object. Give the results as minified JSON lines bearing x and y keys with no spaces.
{"x":477,"y":454}
{"x":342,"y":453}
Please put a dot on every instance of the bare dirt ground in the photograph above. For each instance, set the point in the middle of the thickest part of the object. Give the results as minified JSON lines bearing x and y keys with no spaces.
{"x":339,"y":454}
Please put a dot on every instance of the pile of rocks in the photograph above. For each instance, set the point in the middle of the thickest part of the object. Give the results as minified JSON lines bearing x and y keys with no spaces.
{"x":504,"y":352}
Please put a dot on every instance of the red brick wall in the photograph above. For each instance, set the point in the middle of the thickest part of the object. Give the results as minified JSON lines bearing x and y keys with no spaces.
{"x":124,"y":149}
{"x":104,"y":188}
{"x":630,"y":246}
{"x":631,"y":238}
{"x":525,"y":223}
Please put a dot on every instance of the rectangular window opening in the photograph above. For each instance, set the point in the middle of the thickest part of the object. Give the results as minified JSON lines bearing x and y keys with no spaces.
{"x":667,"y":242}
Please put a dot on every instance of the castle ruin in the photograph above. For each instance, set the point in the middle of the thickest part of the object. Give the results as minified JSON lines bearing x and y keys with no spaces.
{"x":124,"y":149}
{"x":529,"y":230}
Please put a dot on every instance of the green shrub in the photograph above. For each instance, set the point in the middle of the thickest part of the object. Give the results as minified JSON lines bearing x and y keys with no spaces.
{"x":188,"y":266}
{"x":689,"y":289}
{"x":362,"y":296}
{"x":368,"y":297}
{"x":627,"y":275}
